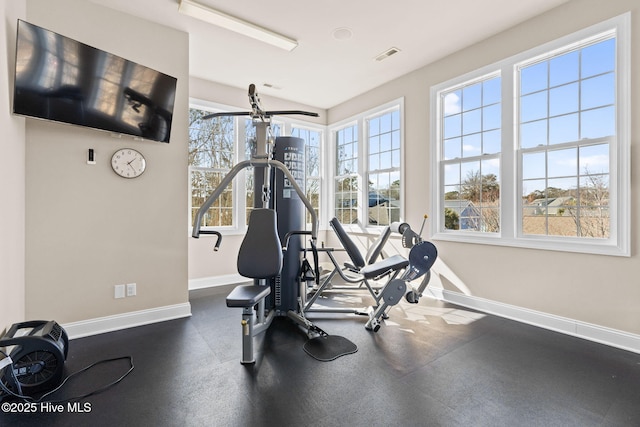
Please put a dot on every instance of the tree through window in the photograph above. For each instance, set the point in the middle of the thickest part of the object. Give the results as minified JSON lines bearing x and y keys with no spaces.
{"x":211,"y":156}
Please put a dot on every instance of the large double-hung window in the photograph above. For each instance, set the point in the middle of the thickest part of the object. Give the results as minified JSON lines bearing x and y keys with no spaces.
{"x":533,"y":151}
{"x":346,"y":175}
{"x":368,"y":167}
{"x":383,"y":172}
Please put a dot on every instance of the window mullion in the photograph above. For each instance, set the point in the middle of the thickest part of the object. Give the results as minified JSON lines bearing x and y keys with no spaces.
{"x":363,"y":171}
{"x":239,"y":193}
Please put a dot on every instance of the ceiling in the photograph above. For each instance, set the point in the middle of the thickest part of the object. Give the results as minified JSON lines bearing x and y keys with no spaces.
{"x":324,"y":71}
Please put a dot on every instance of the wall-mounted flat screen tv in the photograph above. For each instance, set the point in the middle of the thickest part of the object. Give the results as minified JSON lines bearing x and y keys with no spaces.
{"x":63,"y":80}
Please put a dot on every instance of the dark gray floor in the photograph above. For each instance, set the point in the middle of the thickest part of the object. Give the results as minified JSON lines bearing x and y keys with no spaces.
{"x":431,"y":364}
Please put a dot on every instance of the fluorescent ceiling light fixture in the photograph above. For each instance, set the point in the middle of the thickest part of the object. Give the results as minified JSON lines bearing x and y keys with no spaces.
{"x":231,"y":23}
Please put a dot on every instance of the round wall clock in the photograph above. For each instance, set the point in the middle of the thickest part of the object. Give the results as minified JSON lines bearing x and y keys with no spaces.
{"x":128,"y":163}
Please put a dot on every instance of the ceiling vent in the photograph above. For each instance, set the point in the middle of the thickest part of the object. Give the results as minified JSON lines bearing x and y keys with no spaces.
{"x":387,"y":53}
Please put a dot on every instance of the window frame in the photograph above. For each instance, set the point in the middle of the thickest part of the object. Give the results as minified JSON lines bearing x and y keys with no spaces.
{"x":237,"y":185}
{"x":381,"y":171}
{"x":479,"y":158}
{"x":240,"y":181}
{"x":357,"y":174}
{"x":363,"y":170}
{"x":618,"y":243}
{"x":322,"y":130}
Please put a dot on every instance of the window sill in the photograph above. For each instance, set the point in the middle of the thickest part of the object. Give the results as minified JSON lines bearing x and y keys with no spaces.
{"x":545,"y":243}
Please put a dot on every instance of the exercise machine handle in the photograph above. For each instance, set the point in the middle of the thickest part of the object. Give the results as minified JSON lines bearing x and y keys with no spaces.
{"x":399,"y":227}
{"x":290,"y":113}
{"x":294,"y":233}
{"x":226,"y":114}
{"x":216,"y":233}
{"x":264,"y":113}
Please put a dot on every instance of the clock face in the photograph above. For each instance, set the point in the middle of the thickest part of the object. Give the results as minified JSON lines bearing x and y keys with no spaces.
{"x":128,"y":163}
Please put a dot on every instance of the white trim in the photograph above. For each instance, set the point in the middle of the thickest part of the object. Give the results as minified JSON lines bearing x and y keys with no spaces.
{"x":213,"y":281}
{"x":117,"y":322}
{"x":564,"y":325}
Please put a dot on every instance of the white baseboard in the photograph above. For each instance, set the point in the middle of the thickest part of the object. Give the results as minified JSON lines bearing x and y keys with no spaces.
{"x":126,"y":320}
{"x":595,"y":333}
{"x":144,"y":317}
{"x":209,"y":282}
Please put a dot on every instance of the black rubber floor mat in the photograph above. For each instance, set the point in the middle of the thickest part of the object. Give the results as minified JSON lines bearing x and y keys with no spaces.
{"x":327,"y":348}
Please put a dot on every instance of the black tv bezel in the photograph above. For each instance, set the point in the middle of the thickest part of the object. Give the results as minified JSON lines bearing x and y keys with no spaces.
{"x":112,"y":131}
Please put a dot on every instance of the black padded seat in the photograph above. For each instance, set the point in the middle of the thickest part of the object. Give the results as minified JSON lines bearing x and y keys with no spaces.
{"x":393,"y":263}
{"x":247,"y":295}
{"x":260,"y":255}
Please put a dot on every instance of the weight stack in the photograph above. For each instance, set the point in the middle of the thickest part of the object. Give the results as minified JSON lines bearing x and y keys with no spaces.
{"x":291,"y":217}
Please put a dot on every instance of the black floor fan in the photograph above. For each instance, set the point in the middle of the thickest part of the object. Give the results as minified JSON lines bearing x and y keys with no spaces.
{"x":38,"y":350}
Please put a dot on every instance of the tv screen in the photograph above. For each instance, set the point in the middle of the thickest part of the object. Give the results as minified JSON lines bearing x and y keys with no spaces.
{"x":63,"y":80}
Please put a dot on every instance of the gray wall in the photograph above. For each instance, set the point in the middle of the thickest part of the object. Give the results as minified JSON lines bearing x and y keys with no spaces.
{"x":88,"y":229}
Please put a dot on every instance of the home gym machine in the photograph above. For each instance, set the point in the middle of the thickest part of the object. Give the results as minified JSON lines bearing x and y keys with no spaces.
{"x":271,"y":250}
{"x":360,"y":271}
{"x":422,"y":256}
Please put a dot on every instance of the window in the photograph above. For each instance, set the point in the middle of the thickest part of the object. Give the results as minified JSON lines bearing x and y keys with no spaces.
{"x":216,"y":145}
{"x":377,"y":161}
{"x":566,"y":128}
{"x":383,"y":137}
{"x":533,"y":151}
{"x":471,"y":123}
{"x":313,"y":154}
{"x":346,"y":181}
{"x":211,"y":156}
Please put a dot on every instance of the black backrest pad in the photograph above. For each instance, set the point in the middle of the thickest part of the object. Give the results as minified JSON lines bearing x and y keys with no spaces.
{"x":260,"y":254}
{"x":347,"y":244}
{"x":376,"y":249}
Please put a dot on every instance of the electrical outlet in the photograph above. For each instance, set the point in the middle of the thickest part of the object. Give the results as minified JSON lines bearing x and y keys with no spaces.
{"x":131,"y":289}
{"x":119,"y":291}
